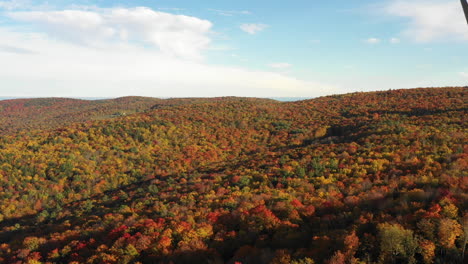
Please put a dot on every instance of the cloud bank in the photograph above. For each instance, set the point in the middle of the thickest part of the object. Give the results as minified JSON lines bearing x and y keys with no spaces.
{"x":430,"y":20}
{"x":126,"y":51}
{"x":177,"y":35}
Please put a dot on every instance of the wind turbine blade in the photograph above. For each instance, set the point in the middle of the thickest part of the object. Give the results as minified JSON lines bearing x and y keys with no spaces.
{"x":465,"y":8}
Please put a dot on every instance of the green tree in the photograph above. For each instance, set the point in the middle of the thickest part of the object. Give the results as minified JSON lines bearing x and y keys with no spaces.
{"x":397,"y":244}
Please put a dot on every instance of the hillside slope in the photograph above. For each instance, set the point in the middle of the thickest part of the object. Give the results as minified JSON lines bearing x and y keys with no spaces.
{"x":18,"y":115}
{"x":358,"y":178}
{"x":49,"y":113}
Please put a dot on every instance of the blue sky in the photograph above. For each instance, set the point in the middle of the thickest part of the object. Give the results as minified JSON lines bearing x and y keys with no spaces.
{"x":220,"y":48}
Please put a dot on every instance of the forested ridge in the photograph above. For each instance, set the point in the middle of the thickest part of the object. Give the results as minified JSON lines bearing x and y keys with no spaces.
{"x":377,"y":177}
{"x":48,"y":113}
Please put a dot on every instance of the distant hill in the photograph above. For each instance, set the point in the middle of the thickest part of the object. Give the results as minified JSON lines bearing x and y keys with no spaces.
{"x":51,"y":113}
{"x":48,"y":113}
{"x":377,"y":177}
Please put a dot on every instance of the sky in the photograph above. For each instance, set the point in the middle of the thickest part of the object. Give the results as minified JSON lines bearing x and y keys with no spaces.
{"x":255,"y":48}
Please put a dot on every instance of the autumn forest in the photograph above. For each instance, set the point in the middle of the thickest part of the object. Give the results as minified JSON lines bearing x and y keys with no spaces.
{"x":376,"y":177}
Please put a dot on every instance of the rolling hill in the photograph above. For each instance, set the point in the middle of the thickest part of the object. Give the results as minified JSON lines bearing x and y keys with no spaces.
{"x":376,"y":177}
{"x":49,"y":113}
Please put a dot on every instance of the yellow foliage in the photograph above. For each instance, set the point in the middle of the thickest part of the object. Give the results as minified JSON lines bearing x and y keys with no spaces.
{"x":205,"y":230}
{"x":427,"y":251}
{"x":450,"y":210}
{"x":33,"y":261}
{"x":449,"y":230}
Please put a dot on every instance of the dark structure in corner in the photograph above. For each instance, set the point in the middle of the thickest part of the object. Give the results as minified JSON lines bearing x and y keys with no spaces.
{"x":465,"y":8}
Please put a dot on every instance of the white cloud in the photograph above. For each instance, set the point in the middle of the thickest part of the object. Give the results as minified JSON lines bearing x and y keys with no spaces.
{"x":280,"y":65}
{"x":373,"y":40}
{"x":395,"y":40}
{"x":253,"y":28}
{"x":430,"y":20}
{"x":464,"y":74}
{"x":17,"y":50}
{"x":56,"y":67}
{"x":178,"y":35}
{"x":230,"y":12}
